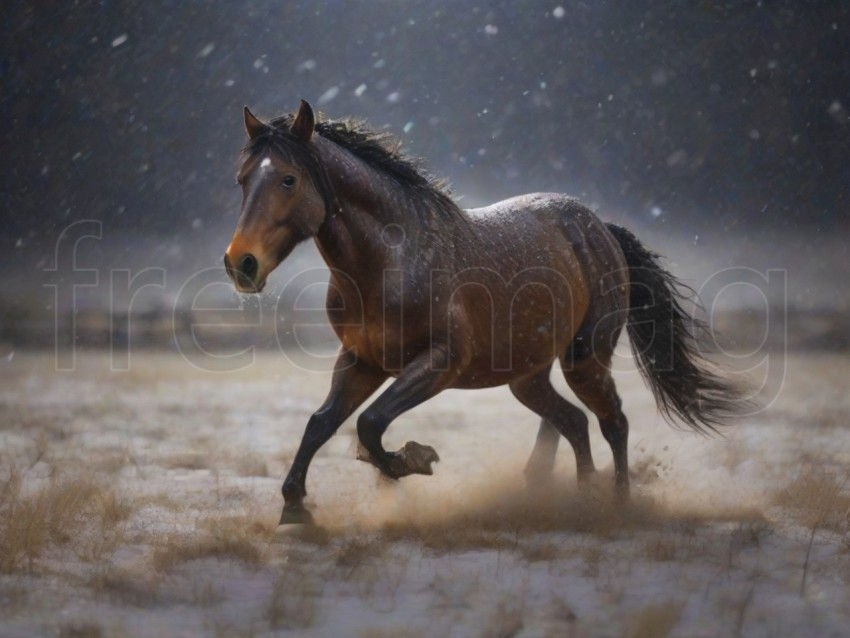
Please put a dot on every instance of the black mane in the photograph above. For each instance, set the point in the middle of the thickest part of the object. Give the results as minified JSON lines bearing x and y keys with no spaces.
{"x":380,"y":150}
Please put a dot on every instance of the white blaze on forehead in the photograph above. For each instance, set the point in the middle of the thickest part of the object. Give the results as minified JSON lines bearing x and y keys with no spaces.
{"x":265,"y":163}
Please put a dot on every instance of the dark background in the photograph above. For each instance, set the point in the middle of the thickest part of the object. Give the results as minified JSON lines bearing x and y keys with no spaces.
{"x":693,"y":118}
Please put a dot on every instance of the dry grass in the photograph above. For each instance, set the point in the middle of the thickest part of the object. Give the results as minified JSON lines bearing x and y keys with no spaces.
{"x":818,"y":499}
{"x":654,"y":621}
{"x":236,"y":538}
{"x":161,"y":500}
{"x":175,"y":553}
{"x":76,"y":514}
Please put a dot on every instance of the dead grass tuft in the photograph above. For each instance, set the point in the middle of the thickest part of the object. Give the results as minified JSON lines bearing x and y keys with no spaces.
{"x":77,"y":514}
{"x":819,"y":500}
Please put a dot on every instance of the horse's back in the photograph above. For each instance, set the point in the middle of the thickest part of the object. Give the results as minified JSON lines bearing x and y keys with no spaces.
{"x":550,"y":221}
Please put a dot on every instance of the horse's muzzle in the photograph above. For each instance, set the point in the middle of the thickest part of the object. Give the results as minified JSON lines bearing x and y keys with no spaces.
{"x":244,"y":273}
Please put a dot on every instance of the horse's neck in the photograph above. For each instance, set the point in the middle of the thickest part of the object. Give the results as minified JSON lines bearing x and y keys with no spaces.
{"x":354,"y":236}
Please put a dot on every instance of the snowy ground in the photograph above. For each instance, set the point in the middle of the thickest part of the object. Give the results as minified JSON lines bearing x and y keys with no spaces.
{"x":144,"y":503}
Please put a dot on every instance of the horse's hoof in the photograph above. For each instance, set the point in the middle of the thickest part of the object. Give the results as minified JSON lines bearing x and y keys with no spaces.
{"x":295,"y":515}
{"x":413,"y":458}
{"x":418,"y":458}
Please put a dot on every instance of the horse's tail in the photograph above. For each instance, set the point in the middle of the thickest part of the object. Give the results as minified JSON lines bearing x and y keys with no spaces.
{"x":666,"y":342}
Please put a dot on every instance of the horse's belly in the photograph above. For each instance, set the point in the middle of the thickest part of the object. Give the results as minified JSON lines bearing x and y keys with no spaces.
{"x":516,"y":354}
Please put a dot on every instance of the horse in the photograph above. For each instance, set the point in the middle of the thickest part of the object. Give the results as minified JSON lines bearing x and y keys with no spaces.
{"x":437,"y":297}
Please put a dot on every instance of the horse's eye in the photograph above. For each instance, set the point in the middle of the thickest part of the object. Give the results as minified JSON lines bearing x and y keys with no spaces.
{"x":288,"y":181}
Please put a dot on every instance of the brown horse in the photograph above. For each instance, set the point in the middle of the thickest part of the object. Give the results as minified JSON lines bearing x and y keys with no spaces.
{"x":439,"y":297}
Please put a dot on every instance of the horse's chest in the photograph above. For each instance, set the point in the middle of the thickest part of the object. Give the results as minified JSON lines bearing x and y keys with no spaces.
{"x":383,"y":324}
{"x":378,"y":343}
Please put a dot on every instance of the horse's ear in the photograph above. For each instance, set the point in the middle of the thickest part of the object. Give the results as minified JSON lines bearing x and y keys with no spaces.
{"x":305,"y":122}
{"x":253,"y":125}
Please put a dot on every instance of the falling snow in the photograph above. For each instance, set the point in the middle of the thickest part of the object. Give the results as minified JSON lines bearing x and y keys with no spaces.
{"x":328,"y":95}
{"x":721,"y":148}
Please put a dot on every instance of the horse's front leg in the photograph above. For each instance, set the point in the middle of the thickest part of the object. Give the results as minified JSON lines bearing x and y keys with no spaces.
{"x":352,"y":384}
{"x":427,"y":375}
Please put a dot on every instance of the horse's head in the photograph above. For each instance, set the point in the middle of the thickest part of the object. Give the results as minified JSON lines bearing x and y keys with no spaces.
{"x":282,"y":204}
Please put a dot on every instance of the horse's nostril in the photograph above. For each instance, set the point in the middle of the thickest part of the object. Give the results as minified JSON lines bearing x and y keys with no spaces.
{"x":248,"y":266}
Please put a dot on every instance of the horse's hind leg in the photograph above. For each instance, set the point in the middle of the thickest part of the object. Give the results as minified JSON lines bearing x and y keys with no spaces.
{"x":537,"y":394}
{"x":591,"y":380}
{"x":540,"y":464}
